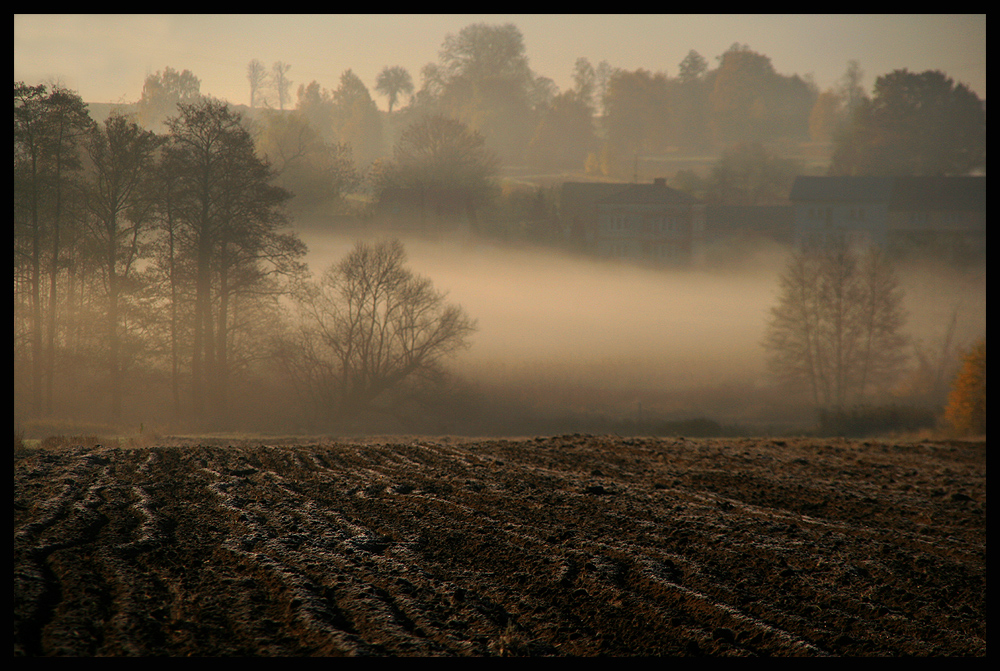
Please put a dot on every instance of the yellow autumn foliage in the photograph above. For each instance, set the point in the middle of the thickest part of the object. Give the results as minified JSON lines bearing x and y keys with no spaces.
{"x":966,"y":411}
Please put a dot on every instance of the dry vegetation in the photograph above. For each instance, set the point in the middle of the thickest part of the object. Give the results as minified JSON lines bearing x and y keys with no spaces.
{"x":571,"y":545}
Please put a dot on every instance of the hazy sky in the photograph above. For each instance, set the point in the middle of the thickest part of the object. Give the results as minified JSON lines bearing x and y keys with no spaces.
{"x":106,"y":57}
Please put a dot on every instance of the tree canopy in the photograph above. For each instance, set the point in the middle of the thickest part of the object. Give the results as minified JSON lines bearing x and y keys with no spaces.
{"x":915,"y":124}
{"x":836,"y":328}
{"x":392,"y":81}
{"x":162,"y":93}
{"x":447,"y":162}
{"x":373,"y":335}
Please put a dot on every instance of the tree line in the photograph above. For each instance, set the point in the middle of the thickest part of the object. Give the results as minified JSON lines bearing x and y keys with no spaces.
{"x":151,"y":269}
{"x":917,"y":123}
{"x":331,"y":146}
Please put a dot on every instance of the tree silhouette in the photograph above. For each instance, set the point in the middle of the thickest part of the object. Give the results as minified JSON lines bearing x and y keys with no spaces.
{"x":372,"y":334}
{"x":257,"y":76}
{"x":120,"y":204}
{"x":915,"y":124}
{"x":836,"y":328}
{"x":49,"y":127}
{"x":393,"y":81}
{"x":637,"y":112}
{"x":565,"y":135}
{"x":445,"y":161}
{"x":356,"y":118}
{"x":230,"y":219}
{"x":281,"y":82}
{"x":162,"y":93}
{"x":485,"y":82}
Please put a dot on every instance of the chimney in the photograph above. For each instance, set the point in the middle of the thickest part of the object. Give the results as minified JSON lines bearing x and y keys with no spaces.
{"x":660,"y":181}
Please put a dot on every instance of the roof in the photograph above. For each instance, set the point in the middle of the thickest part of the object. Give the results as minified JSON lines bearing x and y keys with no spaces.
{"x":764,"y":219}
{"x":851,"y":189}
{"x":962,"y":194}
{"x":958,"y":193}
{"x":657,"y":193}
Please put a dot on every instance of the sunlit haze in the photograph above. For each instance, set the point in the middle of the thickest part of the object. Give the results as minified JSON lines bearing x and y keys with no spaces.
{"x":106,"y":57}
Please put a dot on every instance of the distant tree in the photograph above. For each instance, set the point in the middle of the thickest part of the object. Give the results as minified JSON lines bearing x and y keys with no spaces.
{"x":447,"y":162}
{"x":584,"y":81}
{"x":610,"y":161}
{"x":836,"y":328}
{"x":541,"y":93}
{"x":373,"y":335}
{"x":850,"y":88}
{"x":966,"y":411}
{"x":748,"y":174}
{"x":738,"y":97}
{"x":827,"y":116}
{"x":690,"y":103}
{"x":392,"y":81}
{"x":483,"y":53}
{"x":162,"y":93}
{"x":565,"y":135}
{"x":750,"y":102}
{"x":486,"y":82}
{"x":257,"y":76}
{"x":316,"y":105}
{"x":281,"y":83}
{"x":692,"y":67}
{"x":915,"y":124}
{"x":318,"y":172}
{"x":637,"y":112}
{"x":356,"y":118}
{"x":602,"y":75}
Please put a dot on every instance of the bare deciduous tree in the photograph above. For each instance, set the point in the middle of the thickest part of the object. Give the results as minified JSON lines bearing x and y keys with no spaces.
{"x":372,"y":334}
{"x":257,"y":76}
{"x":281,"y":82}
{"x":837,"y":324}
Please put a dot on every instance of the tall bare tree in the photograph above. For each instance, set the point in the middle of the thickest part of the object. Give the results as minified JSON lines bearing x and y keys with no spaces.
{"x":231,"y":220}
{"x":48,"y":130}
{"x":373,"y":334}
{"x":837,"y":325}
{"x":120,"y":204}
{"x":257,"y":76}
{"x":281,"y":83}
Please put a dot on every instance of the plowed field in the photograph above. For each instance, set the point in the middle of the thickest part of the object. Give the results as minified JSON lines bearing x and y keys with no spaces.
{"x":570,"y":545}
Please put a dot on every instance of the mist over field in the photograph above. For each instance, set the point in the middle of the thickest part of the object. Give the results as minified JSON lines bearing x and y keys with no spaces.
{"x":568,"y":337}
{"x":612,"y":235}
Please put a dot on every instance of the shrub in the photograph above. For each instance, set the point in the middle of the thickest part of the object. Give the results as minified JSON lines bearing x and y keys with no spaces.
{"x":966,"y":411}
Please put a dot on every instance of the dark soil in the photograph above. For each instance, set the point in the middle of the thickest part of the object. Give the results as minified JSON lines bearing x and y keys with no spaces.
{"x":571,"y":545}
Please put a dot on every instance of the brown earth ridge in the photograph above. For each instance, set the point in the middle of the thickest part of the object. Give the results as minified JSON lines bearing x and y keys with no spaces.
{"x":569,"y":545}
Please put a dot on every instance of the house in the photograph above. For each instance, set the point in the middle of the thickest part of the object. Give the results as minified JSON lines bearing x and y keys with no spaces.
{"x":578,"y":211}
{"x":749,"y":223}
{"x":650,"y":223}
{"x":938,"y":215}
